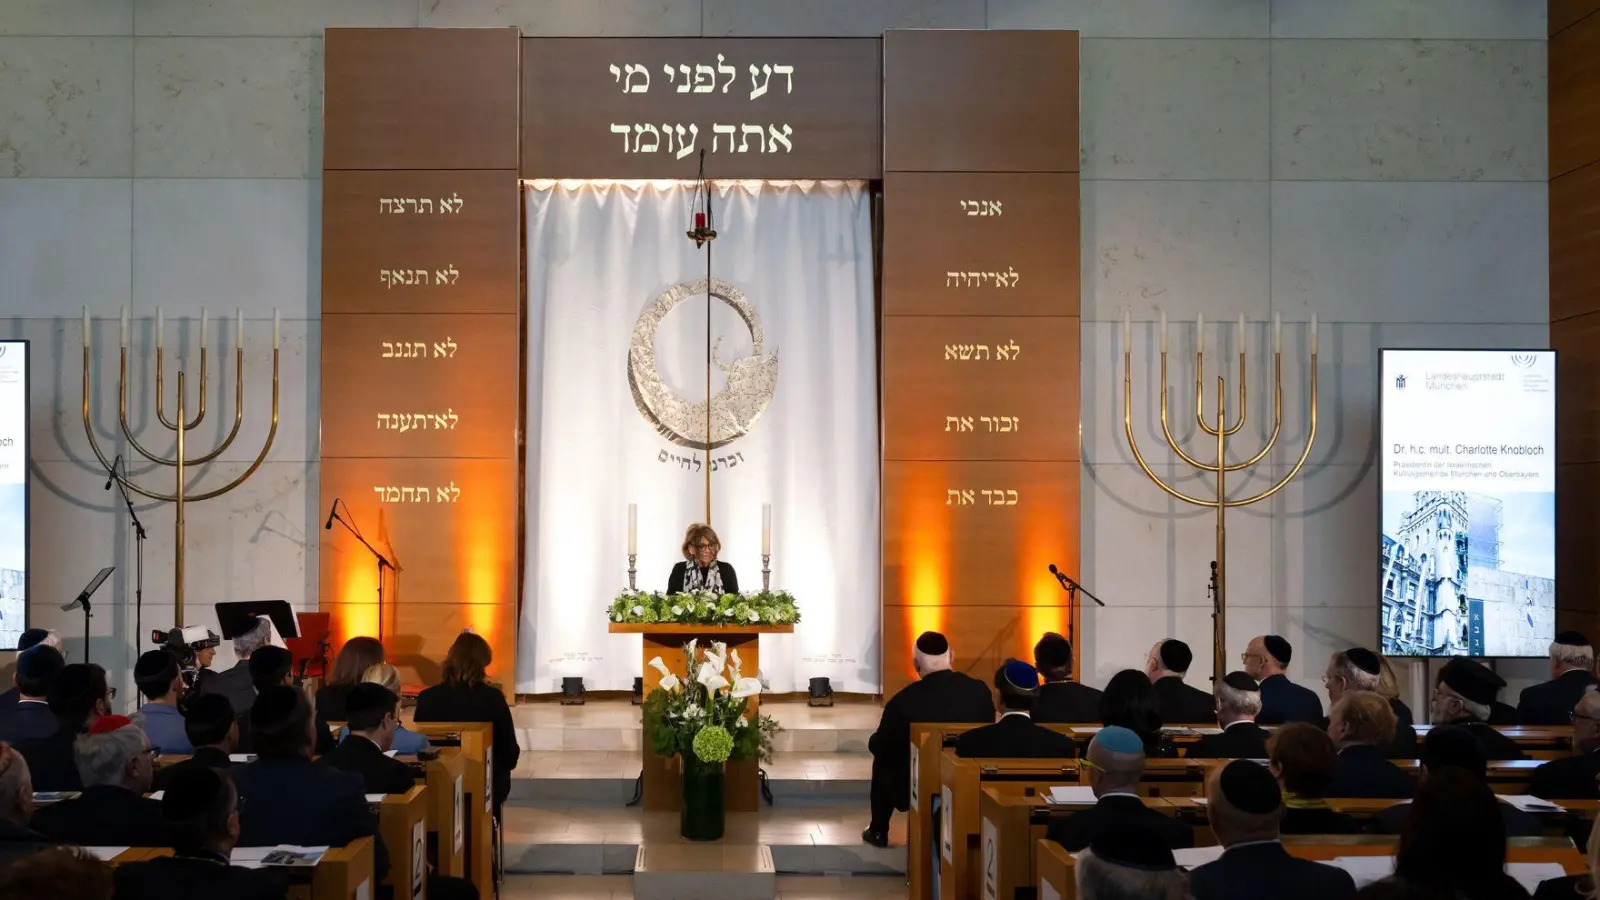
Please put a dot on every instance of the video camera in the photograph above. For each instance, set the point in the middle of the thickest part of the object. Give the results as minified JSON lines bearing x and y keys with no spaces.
{"x":185,"y":643}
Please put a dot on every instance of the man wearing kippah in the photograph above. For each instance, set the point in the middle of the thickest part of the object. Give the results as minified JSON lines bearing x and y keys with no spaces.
{"x":1239,"y":701}
{"x":940,"y":694}
{"x":1060,"y":698}
{"x":1359,"y":669}
{"x":1180,"y":704}
{"x":1571,"y":675}
{"x":1265,"y":660}
{"x":30,"y":718}
{"x":1116,"y":763}
{"x":201,"y":810}
{"x":115,"y":768}
{"x":1015,"y":735}
{"x":1245,"y":806}
{"x":1462,"y":695}
{"x":31,"y":638}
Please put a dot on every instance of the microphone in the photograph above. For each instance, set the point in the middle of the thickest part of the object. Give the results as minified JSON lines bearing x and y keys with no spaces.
{"x":333,"y":513}
{"x":112,"y":472}
{"x":1057,"y":573}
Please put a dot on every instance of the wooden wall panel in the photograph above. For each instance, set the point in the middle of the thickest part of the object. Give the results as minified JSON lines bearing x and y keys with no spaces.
{"x":420,"y":98}
{"x":980,"y":101}
{"x":1575,"y":243}
{"x":1577,"y":535}
{"x":951,"y":249}
{"x":381,"y":229}
{"x":1020,"y":408}
{"x":455,"y":377}
{"x":1577,"y":345}
{"x":820,"y":120}
{"x":1575,"y":97}
{"x":1565,"y":13}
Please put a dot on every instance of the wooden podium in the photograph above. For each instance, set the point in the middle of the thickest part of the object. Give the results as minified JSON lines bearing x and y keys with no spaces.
{"x":663,"y":781}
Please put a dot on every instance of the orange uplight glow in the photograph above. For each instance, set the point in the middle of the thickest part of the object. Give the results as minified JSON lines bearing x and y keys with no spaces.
{"x":482,"y":545}
{"x":925,"y":554}
{"x":357,"y":613}
{"x":1045,"y":604}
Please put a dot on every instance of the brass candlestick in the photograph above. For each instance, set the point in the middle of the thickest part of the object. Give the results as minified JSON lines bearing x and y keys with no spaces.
{"x":1221,"y":431}
{"x":182,"y":493}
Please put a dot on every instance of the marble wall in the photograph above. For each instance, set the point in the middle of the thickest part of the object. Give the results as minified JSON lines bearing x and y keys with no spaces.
{"x":1379,"y":162}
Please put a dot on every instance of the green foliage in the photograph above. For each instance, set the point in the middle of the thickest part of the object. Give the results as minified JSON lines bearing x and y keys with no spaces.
{"x":705,"y":608}
{"x":713,"y":744}
{"x":677,"y":718}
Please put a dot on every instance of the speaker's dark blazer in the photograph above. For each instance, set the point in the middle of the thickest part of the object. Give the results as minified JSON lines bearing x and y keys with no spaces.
{"x":730,"y":579}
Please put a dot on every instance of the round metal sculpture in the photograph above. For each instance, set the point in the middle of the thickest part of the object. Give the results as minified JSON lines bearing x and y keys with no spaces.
{"x":751,"y":380}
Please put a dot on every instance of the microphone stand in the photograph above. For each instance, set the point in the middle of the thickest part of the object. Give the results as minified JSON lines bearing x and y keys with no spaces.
{"x":138,"y":563}
{"x":1073,"y":589}
{"x":383,"y":562}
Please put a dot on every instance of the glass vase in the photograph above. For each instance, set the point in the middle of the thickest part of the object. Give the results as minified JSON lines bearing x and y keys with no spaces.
{"x":702,"y":818}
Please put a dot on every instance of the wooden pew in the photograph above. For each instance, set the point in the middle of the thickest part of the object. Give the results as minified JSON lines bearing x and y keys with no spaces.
{"x":403,"y":824}
{"x":1541,"y":742}
{"x":445,"y":777}
{"x":1012,"y":822}
{"x":476,"y":740}
{"x":927,"y":740}
{"x":343,"y":873}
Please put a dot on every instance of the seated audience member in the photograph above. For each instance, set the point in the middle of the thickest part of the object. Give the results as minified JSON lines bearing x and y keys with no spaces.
{"x":31,"y":638}
{"x":1179,"y":703}
{"x":59,"y":873}
{"x":1116,"y":763}
{"x":160,"y":679}
{"x":1245,"y":806}
{"x":1062,"y":700}
{"x":1129,"y":863}
{"x":1451,"y":746}
{"x":213,"y":730}
{"x":78,"y":696}
{"x":236,"y":683}
{"x":1389,"y":689}
{"x":114,"y":764}
{"x":17,"y":839}
{"x":370,"y":714}
{"x":1359,"y":669}
{"x":1573,"y":778}
{"x":30,"y":718}
{"x":273,"y":666}
{"x":1461,"y":696}
{"x":1571,"y":676}
{"x":1361,"y":725}
{"x":356,"y":656}
{"x":1575,"y":887}
{"x":1130,"y":702}
{"x":1303,"y":759}
{"x":465,"y":695}
{"x":1265,"y":660}
{"x":1454,"y":842}
{"x":1016,"y":684}
{"x":202,"y":815}
{"x":1238,"y":703}
{"x":287,"y":798}
{"x":940,"y":694}
{"x":406,"y":741}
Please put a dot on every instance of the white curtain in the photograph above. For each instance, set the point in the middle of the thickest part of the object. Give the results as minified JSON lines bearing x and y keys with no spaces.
{"x":601,"y":257}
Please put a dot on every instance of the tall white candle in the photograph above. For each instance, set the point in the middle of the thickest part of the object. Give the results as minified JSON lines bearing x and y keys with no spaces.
{"x":124,"y":326}
{"x":160,"y":321}
{"x":1200,"y":333}
{"x":203,"y":320}
{"x":1127,"y":330}
{"x":274,"y":328}
{"x":633,"y":528}
{"x":1313,"y":334}
{"x":1239,"y":335}
{"x":766,"y":529}
{"x":1163,"y":332}
{"x":86,"y":328}
{"x":1277,"y":333}
{"x":238,"y":318}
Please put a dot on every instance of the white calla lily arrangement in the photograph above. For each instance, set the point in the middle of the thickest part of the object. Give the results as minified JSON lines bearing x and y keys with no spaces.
{"x":705,"y":715}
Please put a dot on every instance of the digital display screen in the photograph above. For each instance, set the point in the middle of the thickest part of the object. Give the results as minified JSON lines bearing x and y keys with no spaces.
{"x":13,"y":492}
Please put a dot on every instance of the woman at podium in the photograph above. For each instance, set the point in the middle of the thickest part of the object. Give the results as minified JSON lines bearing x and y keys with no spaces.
{"x":700,"y":569}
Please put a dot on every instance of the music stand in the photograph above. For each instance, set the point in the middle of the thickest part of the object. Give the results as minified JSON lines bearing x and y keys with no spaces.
{"x":311,"y":648}
{"x":83,"y":600}
{"x":240,"y":617}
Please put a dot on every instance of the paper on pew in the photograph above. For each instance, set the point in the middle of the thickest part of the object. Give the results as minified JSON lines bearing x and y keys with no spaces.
{"x":1530,"y":803}
{"x":1529,"y":874}
{"x":1364,"y":870}
{"x":376,"y":798}
{"x":106,"y":854}
{"x":240,"y":758}
{"x":156,"y":795}
{"x":255,"y":857}
{"x":1087,"y":729}
{"x":1075,"y":793}
{"x":1190,"y":857}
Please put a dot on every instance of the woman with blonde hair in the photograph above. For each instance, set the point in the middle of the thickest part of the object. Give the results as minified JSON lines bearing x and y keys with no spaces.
{"x":465,"y":695}
{"x":700,"y":569}
{"x":406,"y":741}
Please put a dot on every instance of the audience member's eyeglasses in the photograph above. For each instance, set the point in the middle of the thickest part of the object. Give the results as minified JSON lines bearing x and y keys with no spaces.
{"x":1089,"y":764}
{"x":111,"y":693}
{"x":155,"y":753}
{"x":1574,"y":716}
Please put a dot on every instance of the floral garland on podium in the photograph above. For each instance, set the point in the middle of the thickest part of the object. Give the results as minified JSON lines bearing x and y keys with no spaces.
{"x":704,"y":608}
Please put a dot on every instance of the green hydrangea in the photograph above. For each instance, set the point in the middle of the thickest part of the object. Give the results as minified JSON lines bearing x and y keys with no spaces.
{"x":713,"y":744}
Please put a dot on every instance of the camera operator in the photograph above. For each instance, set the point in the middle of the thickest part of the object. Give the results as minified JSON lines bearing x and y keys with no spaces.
{"x":194,"y":647}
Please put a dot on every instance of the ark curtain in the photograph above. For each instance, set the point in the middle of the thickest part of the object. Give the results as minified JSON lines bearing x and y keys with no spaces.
{"x":606,"y":420}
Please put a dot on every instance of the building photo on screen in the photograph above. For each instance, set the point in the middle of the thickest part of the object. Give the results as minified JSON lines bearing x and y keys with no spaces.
{"x":13,"y":491}
{"x":1467,"y":565}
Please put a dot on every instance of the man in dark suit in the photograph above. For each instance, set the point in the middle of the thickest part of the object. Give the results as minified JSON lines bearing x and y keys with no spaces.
{"x":370,"y":716}
{"x":78,"y":696}
{"x":1015,"y":736}
{"x":235,"y":683}
{"x":16,"y":809}
{"x":1238,"y":705}
{"x":31,"y":638}
{"x":30,"y":718}
{"x":1245,"y":806}
{"x":1359,"y":669}
{"x":1265,"y":660}
{"x":1571,"y":675}
{"x":1573,"y":778}
{"x":270,"y":667}
{"x":1462,"y":694}
{"x":288,"y":799}
{"x":939,"y":694}
{"x":1361,"y":725}
{"x":113,"y":761}
{"x":213,"y":730}
{"x":1449,"y":746}
{"x":1180,"y":704}
{"x":1116,"y":759}
{"x":202,"y":815}
{"x":1062,"y":700}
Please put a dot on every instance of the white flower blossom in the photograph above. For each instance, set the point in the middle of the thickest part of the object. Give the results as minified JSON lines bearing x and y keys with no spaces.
{"x":755,"y":616}
{"x":659,"y":666}
{"x":677,"y":610}
{"x":710,"y":675}
{"x":638,"y":610}
{"x":670,"y":682}
{"x":742,"y":723}
{"x":746,"y":687}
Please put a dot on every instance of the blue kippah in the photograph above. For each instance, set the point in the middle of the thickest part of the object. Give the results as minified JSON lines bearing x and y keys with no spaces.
{"x":1022,"y":675}
{"x":1119,"y":740}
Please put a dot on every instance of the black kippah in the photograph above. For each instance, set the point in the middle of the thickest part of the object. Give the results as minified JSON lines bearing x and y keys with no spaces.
{"x":191,"y":792}
{"x":1176,"y":655}
{"x":155,"y":665}
{"x":1364,"y":659}
{"x":1052,"y":652}
{"x":274,"y":706}
{"x":1278,"y":648}
{"x":39,"y":663}
{"x":1472,"y":680}
{"x":270,"y":663}
{"x":1133,"y":846}
{"x":932,"y":643}
{"x":1572,"y":638}
{"x":1240,"y":681}
{"x":1249,"y":787}
{"x":366,"y":696}
{"x":33,"y":637}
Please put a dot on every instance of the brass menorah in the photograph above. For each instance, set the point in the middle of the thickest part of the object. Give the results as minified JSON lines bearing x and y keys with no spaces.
{"x":1222,"y":431}
{"x":181,"y":461}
